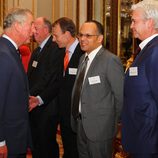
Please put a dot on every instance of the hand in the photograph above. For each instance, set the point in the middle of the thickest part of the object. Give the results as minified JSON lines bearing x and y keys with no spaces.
{"x":33,"y":102}
{"x":3,"y":151}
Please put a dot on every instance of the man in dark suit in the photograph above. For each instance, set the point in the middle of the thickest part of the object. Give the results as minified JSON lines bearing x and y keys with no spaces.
{"x":140,"y":111}
{"x":97,"y":100}
{"x":14,"y":93}
{"x":44,"y":74}
{"x":64,"y":33}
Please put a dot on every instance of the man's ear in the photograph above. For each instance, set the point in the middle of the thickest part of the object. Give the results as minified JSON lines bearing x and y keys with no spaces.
{"x":100,"y":38}
{"x":67,"y":33}
{"x":150,"y":23}
{"x":17,"y":26}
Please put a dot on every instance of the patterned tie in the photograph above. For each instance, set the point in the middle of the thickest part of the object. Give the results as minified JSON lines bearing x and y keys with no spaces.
{"x":66,"y":60}
{"x":78,"y":88}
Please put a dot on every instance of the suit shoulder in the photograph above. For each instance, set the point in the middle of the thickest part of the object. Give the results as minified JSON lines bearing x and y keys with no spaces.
{"x":78,"y":50}
{"x":108,"y":57}
{"x":107,"y":54}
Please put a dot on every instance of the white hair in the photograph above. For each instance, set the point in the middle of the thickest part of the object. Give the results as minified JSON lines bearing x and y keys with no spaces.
{"x":150,"y":9}
{"x":15,"y":15}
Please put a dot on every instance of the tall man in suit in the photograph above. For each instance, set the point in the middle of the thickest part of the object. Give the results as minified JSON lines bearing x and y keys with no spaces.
{"x":140,"y":111}
{"x":64,"y":33}
{"x":44,"y":74}
{"x":14,"y":93}
{"x":100,"y":101}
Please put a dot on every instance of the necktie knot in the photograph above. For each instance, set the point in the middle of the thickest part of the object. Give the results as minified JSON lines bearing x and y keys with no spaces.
{"x":38,"y":49}
{"x":136,"y":52}
{"x":84,"y":63}
{"x":86,"y":59}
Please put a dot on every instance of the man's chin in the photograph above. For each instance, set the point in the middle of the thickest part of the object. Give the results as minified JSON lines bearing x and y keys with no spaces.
{"x":27,"y":41}
{"x":135,"y":35}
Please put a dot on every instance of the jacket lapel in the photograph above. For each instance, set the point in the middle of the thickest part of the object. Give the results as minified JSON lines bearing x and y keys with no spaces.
{"x":92,"y":66}
{"x":144,"y":53}
{"x":13,"y":52}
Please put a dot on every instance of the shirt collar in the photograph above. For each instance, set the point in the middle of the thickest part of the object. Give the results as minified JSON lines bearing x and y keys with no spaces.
{"x":146,"y":41}
{"x":44,"y":42}
{"x":7,"y":37}
{"x":93,"y":53}
{"x":73,"y":46}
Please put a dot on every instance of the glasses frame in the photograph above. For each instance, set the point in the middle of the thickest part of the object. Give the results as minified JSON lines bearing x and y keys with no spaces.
{"x":80,"y":35}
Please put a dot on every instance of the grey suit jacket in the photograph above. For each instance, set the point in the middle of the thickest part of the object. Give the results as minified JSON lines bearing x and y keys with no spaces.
{"x":101,"y":100}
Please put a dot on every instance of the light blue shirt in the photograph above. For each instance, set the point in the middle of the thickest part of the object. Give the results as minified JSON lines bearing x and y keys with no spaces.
{"x":72,"y":48}
{"x":44,"y":42}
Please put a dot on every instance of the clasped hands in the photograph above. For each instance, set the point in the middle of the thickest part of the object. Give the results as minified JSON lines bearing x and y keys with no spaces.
{"x":33,"y":102}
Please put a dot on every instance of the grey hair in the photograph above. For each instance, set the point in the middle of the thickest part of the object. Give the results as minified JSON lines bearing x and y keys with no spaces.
{"x":150,"y":9}
{"x":15,"y":15}
{"x":48,"y":24}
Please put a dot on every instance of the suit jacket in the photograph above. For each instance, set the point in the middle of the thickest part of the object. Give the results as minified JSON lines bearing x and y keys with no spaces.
{"x":140,"y":112}
{"x":68,"y":82}
{"x":45,"y":77}
{"x":14,"y":122}
{"x":101,"y":101}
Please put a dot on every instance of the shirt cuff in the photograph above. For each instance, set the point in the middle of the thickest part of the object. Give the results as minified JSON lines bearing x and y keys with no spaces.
{"x":2,"y":143}
{"x":40,"y":101}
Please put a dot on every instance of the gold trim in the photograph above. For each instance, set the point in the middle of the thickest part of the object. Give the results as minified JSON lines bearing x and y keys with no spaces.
{"x":119,"y":29}
{"x":3,"y":9}
{"x":93,"y":9}
{"x":104,"y":22}
{"x":1,"y":12}
{"x":33,"y":7}
{"x":65,"y":7}
{"x":13,"y":3}
{"x":53,"y":12}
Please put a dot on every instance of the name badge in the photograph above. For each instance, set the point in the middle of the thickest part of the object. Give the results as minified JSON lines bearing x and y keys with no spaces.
{"x":94,"y":80}
{"x":72,"y":71}
{"x":34,"y":64}
{"x":133,"y":71}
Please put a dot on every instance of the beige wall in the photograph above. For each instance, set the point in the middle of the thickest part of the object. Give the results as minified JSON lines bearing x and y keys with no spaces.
{"x":44,"y":8}
{"x":38,"y":7}
{"x":53,"y":9}
{"x":21,"y":3}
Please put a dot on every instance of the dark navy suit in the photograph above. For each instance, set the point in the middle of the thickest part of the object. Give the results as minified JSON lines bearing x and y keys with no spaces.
{"x":68,"y":136}
{"x":140,"y":111}
{"x":14,"y":120}
{"x":44,"y":80}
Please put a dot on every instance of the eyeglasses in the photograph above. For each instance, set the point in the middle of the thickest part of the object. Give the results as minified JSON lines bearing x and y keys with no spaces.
{"x":80,"y":35}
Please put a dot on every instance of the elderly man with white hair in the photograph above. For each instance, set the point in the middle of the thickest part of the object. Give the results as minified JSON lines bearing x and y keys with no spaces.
{"x":140,"y":111}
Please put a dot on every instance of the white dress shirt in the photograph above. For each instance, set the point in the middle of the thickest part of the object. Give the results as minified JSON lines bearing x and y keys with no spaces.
{"x":91,"y":56}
